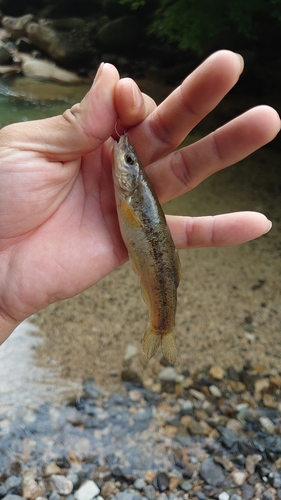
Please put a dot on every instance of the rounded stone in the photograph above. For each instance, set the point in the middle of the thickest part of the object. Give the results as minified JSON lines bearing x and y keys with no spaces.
{"x":212,"y":473}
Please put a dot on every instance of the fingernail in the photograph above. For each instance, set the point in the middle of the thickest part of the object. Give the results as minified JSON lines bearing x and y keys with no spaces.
{"x":99,"y":72}
{"x":137,"y":95}
{"x":269,"y":226}
{"x":241,"y":60}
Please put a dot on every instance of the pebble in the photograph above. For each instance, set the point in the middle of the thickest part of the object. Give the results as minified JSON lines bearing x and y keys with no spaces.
{"x":251,"y":462}
{"x":139,"y":484}
{"x":149,"y":492}
{"x":87,"y":491}
{"x":167,"y":374}
{"x":239,"y":477}
{"x":215,"y":391}
{"x":223,"y":496}
{"x":267,"y":425}
{"x":10,"y":496}
{"x":52,"y":468}
{"x":186,"y":486}
{"x":61,"y":485}
{"x":12,"y":483}
{"x":216,"y":372}
{"x":161,"y":481}
{"x":211,"y":472}
{"x":248,"y":492}
{"x":130,"y":351}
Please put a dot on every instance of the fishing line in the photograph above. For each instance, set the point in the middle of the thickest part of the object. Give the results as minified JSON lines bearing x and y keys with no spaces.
{"x":115,"y":128}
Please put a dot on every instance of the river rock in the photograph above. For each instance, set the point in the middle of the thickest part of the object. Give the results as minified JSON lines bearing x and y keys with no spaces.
{"x":5,"y":55}
{"x":87,"y":491}
{"x":61,"y":484}
{"x":45,"y":70}
{"x":16,"y":26}
{"x":211,"y":472}
{"x":57,"y":46}
{"x":9,"y":70}
{"x":120,"y":35}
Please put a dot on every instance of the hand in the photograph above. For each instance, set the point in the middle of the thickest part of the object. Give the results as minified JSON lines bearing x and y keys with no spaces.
{"x":59,"y":232}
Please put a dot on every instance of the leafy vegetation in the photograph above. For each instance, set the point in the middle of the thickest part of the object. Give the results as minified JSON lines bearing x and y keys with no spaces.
{"x":193,"y":24}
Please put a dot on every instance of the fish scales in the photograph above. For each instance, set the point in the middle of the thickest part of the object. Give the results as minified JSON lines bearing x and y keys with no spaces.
{"x":150,"y":246}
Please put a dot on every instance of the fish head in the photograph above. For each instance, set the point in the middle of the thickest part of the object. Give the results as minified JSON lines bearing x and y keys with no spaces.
{"x":126,"y":170}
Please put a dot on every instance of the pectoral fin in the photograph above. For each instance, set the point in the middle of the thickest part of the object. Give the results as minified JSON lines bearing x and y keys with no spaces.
{"x":130,"y":215}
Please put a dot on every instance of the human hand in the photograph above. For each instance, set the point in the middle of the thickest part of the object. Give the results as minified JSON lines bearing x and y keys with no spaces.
{"x":59,"y":232}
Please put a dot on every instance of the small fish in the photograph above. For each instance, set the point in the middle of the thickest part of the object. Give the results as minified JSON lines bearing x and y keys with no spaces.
{"x":150,"y":246}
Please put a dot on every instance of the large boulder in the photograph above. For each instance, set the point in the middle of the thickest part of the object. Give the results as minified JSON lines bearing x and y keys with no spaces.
{"x":120,"y":35}
{"x":45,"y":70}
{"x":16,"y":26}
{"x":5,"y":55}
{"x":57,"y":46}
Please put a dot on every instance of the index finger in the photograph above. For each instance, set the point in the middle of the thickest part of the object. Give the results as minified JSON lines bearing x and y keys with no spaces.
{"x":166,"y":127}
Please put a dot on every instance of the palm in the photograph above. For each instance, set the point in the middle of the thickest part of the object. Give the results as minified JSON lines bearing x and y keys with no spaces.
{"x":67,"y":235}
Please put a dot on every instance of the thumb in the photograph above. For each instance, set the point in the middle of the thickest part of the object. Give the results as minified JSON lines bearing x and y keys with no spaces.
{"x":77,"y":131}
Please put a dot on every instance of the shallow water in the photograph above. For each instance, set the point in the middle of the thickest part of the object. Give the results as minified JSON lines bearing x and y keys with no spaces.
{"x":22,"y":382}
{"x":23,"y":99}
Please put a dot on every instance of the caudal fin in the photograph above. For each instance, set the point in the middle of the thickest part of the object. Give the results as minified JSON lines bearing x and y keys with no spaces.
{"x":169,"y":347}
{"x":152,"y":341}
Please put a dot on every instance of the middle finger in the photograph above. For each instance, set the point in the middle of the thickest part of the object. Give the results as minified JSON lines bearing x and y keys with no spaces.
{"x":166,"y":127}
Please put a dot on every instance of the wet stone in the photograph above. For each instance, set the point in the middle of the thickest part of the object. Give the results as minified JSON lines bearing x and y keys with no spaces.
{"x":139,"y":484}
{"x":3,"y":491}
{"x":127,"y":495}
{"x":186,"y":486}
{"x":248,"y":492}
{"x":223,"y":496}
{"x":161,"y":481}
{"x":10,"y":496}
{"x":267,"y":495}
{"x":211,"y":472}
{"x":239,"y":477}
{"x":228,"y":437}
{"x":90,"y":388}
{"x":275,"y":479}
{"x":61,"y":485}
{"x":149,"y":492}
{"x":54,"y":496}
{"x":87,"y":491}
{"x":13,"y":484}
{"x":129,"y":375}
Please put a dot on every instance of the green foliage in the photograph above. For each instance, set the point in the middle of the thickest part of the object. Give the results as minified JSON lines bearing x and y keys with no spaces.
{"x":192,"y":24}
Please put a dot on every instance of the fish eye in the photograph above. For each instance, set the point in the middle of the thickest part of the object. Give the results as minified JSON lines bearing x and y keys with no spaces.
{"x":130,"y":159}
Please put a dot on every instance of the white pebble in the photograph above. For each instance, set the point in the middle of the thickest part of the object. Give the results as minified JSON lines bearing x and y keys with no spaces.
{"x":215,"y":391}
{"x":223,"y":496}
{"x":267,"y":425}
{"x":87,"y":491}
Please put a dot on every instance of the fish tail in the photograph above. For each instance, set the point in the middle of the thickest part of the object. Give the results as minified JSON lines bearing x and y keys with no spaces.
{"x":169,"y":347}
{"x":150,"y":344}
{"x":152,"y":341}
